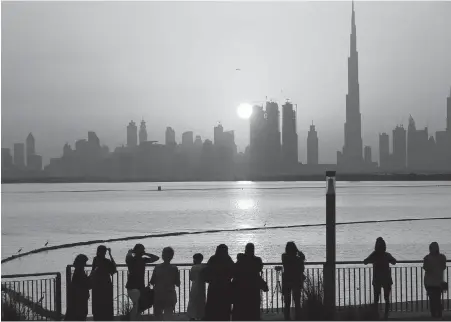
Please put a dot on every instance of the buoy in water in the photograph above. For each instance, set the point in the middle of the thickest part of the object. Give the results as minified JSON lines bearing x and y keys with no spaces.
{"x":159,"y":188}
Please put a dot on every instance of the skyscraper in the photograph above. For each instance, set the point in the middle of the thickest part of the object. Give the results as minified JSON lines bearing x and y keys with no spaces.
{"x":417,"y":147}
{"x":30,"y":145}
{"x":257,"y":136}
{"x":399,"y":148}
{"x":187,"y":139}
{"x":273,"y":145}
{"x":367,"y":155}
{"x":19,"y":155}
{"x":170,"y":136}
{"x":218,"y":134}
{"x":352,"y":149}
{"x":142,"y":132}
{"x":384,"y":150}
{"x":312,"y":146}
{"x":289,"y":134}
{"x":7,"y":159}
{"x":448,"y":112}
{"x":132,"y":134}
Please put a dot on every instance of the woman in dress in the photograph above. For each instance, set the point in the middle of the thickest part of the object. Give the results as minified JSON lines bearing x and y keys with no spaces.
{"x":196,"y":305}
{"x":434,"y":265}
{"x":78,"y":291}
{"x":102,"y":286}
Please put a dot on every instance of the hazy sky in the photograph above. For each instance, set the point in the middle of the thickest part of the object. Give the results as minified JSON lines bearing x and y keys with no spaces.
{"x":72,"y":67}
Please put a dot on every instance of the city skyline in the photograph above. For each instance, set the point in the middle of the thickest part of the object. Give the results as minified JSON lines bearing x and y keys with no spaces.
{"x":375,"y":102}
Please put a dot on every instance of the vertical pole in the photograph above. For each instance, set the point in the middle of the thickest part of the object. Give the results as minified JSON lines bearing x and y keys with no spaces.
{"x":329,"y":267}
{"x":58,"y":296}
{"x":68,"y":282}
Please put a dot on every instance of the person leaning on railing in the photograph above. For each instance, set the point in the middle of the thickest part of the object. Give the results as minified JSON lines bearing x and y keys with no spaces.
{"x":78,"y":291}
{"x":434,"y":265}
{"x":292,"y":278}
{"x":136,"y":264}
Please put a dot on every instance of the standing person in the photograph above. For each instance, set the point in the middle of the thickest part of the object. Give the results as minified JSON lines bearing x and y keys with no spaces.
{"x":78,"y":291}
{"x":136,"y":264}
{"x":218,"y":274}
{"x":434,"y":265}
{"x":246,"y":286}
{"x":292,"y":279}
{"x":381,"y":261}
{"x":165,"y":278}
{"x":196,"y":304}
{"x":102,"y":286}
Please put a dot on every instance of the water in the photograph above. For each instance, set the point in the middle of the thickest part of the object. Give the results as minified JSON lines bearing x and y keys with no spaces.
{"x":33,"y":214}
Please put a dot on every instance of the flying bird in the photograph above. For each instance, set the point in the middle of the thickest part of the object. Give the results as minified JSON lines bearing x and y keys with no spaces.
{"x":19,"y":250}
{"x":265,"y":224}
{"x":46,"y":243}
{"x":238,"y":69}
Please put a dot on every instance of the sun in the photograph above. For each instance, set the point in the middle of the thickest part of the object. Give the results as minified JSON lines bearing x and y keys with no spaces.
{"x":244,"y":110}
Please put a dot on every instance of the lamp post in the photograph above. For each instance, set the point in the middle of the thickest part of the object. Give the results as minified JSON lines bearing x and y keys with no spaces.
{"x":329,"y":267}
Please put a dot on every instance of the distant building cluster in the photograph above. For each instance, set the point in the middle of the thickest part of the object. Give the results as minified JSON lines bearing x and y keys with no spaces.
{"x":272,"y":149}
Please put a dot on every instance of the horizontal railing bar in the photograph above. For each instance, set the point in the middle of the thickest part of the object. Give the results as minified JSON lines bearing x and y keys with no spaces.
{"x":30,"y":275}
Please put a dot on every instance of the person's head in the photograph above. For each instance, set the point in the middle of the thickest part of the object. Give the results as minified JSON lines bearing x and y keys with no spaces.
{"x":433,"y":248}
{"x":139,"y":250}
{"x":291,"y":249}
{"x":380,"y":245}
{"x":222,"y":250}
{"x":250,"y":249}
{"x":80,"y":261}
{"x":167,"y":254}
{"x":198,"y":258}
{"x":101,"y":251}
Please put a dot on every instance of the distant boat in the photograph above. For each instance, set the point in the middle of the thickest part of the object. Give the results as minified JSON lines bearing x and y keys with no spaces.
{"x":159,"y":188}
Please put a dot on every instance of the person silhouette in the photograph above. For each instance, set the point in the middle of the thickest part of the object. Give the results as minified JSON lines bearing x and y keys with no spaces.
{"x":78,"y":291}
{"x":196,"y":304}
{"x":102,"y":286}
{"x":292,"y":279}
{"x":136,"y":264}
{"x":218,"y":273}
{"x":381,"y":261}
{"x":165,"y":278}
{"x":246,"y":286}
{"x":434,"y":265}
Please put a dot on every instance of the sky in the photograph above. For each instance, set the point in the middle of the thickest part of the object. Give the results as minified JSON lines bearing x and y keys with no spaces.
{"x":73,"y":67}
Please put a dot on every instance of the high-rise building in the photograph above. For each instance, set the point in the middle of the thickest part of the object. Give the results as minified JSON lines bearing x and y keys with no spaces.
{"x":312,"y":146}
{"x":187,"y":139}
{"x":273,"y":145}
{"x":367,"y":155}
{"x":7,"y":159}
{"x":34,"y":162}
{"x":218,"y":135}
{"x":257,"y":136}
{"x":399,"y":148}
{"x":448,"y":112}
{"x":289,"y":134}
{"x":351,"y":157}
{"x":198,"y":141}
{"x":417,"y":147}
{"x":170,"y":136}
{"x":132,"y":134}
{"x":384,"y":150}
{"x":93,"y":140}
{"x":142,"y":132}
{"x":19,"y":155}
{"x":30,"y":145}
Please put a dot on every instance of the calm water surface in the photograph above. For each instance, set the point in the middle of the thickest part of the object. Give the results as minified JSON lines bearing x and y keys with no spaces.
{"x":33,"y":214}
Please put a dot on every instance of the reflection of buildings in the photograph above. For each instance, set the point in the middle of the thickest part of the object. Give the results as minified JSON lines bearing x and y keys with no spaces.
{"x":312,"y":146}
{"x":132,"y":134}
{"x":351,"y":156}
{"x":289,"y":135}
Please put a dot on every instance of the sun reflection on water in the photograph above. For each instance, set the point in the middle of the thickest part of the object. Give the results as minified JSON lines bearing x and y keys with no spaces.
{"x":245,"y":204}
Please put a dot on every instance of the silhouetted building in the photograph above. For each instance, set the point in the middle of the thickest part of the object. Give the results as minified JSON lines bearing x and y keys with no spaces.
{"x":218,"y":135}
{"x":351,"y":157}
{"x":93,"y":140}
{"x":312,"y":146}
{"x":170,"y":136}
{"x":448,"y":112}
{"x":142,"y":132}
{"x":384,"y":150}
{"x":30,"y":145}
{"x":417,"y":147}
{"x":34,"y":162}
{"x":273,"y":144}
{"x":7,"y":159}
{"x":67,"y":150}
{"x":198,"y":141}
{"x":19,"y":155}
{"x":187,"y":139}
{"x":289,"y":134}
{"x":367,"y":155}
{"x":399,"y":156}
{"x":443,"y":150}
{"x":132,"y":134}
{"x":257,"y":138}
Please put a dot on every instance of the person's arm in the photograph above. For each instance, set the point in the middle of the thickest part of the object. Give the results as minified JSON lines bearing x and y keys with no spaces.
{"x":153,"y":279}
{"x":151,"y":258}
{"x":369,"y":259}
{"x":425,"y":264}
{"x":129,"y":256}
{"x":391,"y":259}
{"x":177,"y":277}
{"x":113,"y":269}
{"x":443,"y":263}
{"x":301,"y":255}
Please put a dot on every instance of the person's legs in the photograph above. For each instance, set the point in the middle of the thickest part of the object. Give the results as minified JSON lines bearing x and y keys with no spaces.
{"x":377,"y":294}
{"x":297,"y":303}
{"x":387,"y":291}
{"x":134,"y":295}
{"x":287,"y":303}
{"x":158,"y":311}
{"x":435,"y":301}
{"x":168,"y":310}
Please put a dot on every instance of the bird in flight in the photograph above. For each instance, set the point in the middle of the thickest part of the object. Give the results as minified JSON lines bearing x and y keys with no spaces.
{"x":19,"y":250}
{"x":46,"y":243}
{"x":238,"y":69}
{"x":265,"y":224}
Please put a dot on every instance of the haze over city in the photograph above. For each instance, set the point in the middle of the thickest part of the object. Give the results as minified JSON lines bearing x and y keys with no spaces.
{"x":70,"y":68}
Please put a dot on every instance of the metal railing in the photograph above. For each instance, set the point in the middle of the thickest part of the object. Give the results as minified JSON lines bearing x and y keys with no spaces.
{"x":353,"y":286}
{"x":33,"y":296}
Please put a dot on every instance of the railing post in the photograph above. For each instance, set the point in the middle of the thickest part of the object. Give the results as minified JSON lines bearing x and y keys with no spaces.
{"x":329,"y":266}
{"x":58,"y":296}
{"x":68,"y":280}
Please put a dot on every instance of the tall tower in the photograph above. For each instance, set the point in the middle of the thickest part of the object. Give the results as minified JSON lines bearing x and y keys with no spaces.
{"x":218,"y":135}
{"x":399,"y":148}
{"x":142,"y":132}
{"x":170,"y":136}
{"x":312,"y":146}
{"x":384,"y":151}
{"x":448,"y":112}
{"x":132,"y":134}
{"x":273,"y":146}
{"x":30,"y":143}
{"x":352,"y":149}
{"x":289,"y":135}
{"x":19,"y":157}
